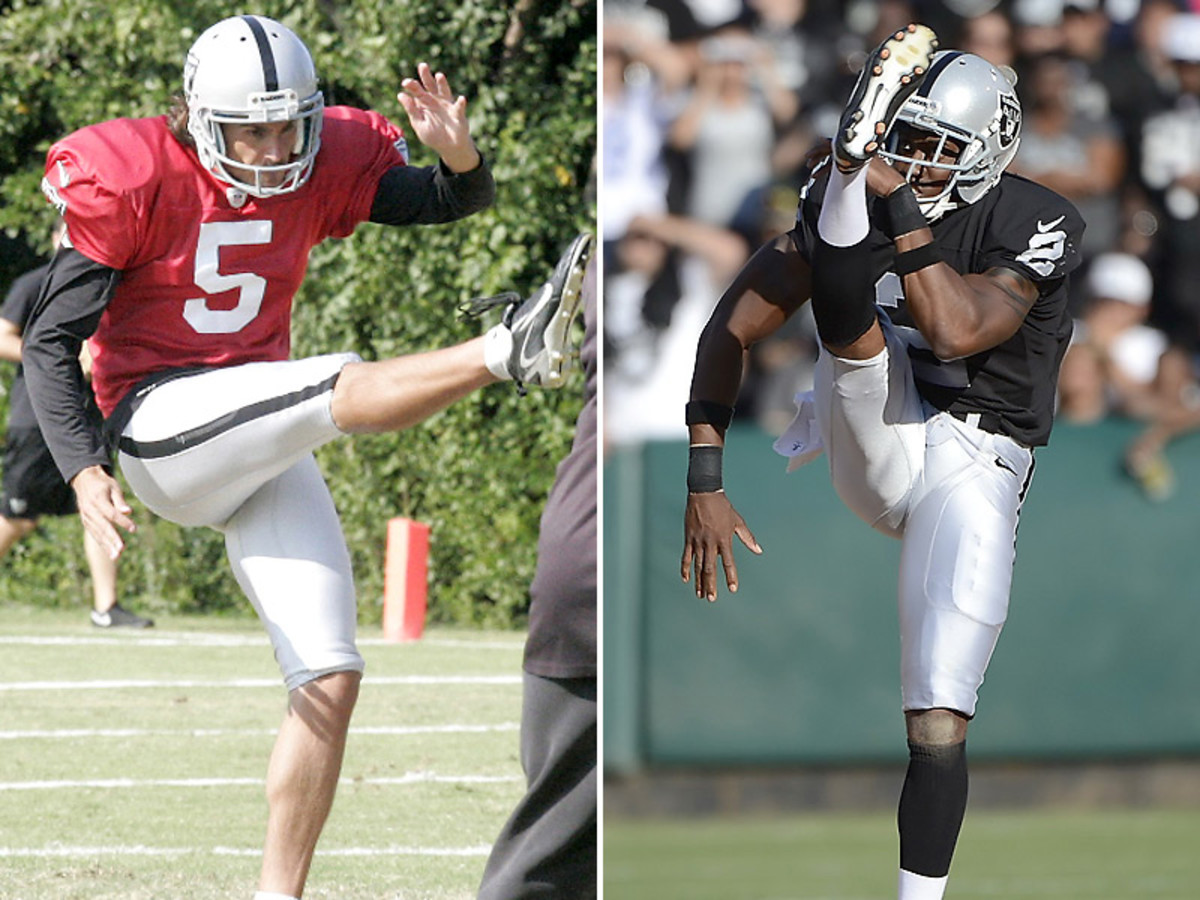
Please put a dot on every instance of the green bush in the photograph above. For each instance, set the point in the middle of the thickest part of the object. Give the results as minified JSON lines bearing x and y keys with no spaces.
{"x":478,"y":472}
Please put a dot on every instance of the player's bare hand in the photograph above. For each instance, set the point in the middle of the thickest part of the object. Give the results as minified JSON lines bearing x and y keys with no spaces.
{"x":882,"y":177}
{"x":818,"y":153}
{"x":102,"y":508}
{"x":439,"y":118}
{"x":709,"y":525}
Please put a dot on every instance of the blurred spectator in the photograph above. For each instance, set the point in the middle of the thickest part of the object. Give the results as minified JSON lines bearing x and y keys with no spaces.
{"x":644,"y":73}
{"x":804,"y":45}
{"x":1079,"y":156}
{"x":811,"y":48}
{"x":1178,"y":414}
{"x":1151,"y":22}
{"x":1084,"y":28}
{"x":989,"y":35}
{"x":1038,"y":25}
{"x":1170,"y":155}
{"x":728,"y":126}
{"x":647,"y":384}
{"x":641,"y":70}
{"x":1112,"y":363}
{"x":1112,"y":79}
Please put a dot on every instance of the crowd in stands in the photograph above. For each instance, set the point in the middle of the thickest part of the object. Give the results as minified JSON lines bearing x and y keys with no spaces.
{"x":710,"y":107}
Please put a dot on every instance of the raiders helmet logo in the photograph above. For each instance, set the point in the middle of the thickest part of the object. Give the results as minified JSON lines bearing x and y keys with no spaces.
{"x":1010,"y":121}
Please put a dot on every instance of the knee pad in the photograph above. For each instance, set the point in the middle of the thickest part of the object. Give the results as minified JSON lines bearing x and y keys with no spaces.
{"x":843,"y":295}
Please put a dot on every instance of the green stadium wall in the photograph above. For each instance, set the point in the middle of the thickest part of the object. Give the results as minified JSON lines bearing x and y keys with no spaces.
{"x":1098,"y":659}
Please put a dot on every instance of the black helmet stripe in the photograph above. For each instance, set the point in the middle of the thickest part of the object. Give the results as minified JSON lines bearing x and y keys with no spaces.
{"x":270,"y":76}
{"x":935,"y":70}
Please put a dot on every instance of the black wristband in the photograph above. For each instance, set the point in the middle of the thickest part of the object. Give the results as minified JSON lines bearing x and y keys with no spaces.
{"x":705,"y":412}
{"x":704,"y":469}
{"x":917,"y":258}
{"x":902,"y":212}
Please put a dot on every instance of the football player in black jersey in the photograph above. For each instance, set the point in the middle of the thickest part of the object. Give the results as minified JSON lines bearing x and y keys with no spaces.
{"x":939,"y":289}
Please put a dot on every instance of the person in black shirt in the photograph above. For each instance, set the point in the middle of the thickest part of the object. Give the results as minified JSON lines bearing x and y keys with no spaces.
{"x":548,"y":846}
{"x":939,"y":289}
{"x":32,"y":485}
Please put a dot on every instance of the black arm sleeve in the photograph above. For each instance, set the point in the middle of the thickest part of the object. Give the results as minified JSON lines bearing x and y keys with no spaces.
{"x":74,"y":296}
{"x":431,"y":195}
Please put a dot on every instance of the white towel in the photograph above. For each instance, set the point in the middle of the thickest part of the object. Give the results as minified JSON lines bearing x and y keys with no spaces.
{"x":801,"y":443}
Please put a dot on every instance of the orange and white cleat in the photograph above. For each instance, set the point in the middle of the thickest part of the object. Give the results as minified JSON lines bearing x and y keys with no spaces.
{"x":893,"y":71}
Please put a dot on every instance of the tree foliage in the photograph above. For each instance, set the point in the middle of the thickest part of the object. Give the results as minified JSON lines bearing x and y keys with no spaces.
{"x":478,"y":472}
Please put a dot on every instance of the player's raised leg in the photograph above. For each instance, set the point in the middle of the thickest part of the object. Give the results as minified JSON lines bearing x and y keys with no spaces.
{"x":530,"y":346}
{"x":843,"y":300}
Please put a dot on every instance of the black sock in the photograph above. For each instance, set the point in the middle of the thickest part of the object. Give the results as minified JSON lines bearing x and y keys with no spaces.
{"x":843,"y":294}
{"x":932,"y":805}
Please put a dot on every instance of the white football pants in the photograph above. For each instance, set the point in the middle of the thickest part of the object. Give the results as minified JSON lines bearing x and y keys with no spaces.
{"x":950,"y":492}
{"x":232,"y":449}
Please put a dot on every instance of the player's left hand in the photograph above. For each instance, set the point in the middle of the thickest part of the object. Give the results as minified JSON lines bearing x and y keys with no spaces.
{"x":439,"y":118}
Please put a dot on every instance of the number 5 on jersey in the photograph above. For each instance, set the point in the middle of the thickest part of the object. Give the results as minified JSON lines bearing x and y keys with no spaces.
{"x":250,"y":287}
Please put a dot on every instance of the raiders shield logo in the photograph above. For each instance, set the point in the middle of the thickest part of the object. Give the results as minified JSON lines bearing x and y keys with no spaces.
{"x":1010,"y":121}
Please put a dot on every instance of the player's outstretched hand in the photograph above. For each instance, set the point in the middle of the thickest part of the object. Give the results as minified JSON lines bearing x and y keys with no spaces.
{"x":102,"y":508}
{"x":439,"y":118}
{"x":709,"y":525}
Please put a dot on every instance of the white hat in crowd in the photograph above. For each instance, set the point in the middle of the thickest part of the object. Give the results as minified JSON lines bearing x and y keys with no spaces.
{"x":1181,"y":37}
{"x":1120,"y":276}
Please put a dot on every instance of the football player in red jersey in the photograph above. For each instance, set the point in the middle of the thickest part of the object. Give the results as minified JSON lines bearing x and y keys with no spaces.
{"x":188,"y":235}
{"x":939,"y":288}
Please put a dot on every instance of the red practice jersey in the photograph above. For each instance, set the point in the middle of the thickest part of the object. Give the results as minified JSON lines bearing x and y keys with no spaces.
{"x":204,"y":283}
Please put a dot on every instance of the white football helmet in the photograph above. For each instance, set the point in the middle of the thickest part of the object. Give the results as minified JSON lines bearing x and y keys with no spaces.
{"x":964,"y":99}
{"x":252,"y":69}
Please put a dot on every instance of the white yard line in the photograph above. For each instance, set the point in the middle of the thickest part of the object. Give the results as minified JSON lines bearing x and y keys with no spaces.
{"x":125,"y":783}
{"x":61,"y":851}
{"x":216,"y":639}
{"x":59,"y":734}
{"x":142,"y":683}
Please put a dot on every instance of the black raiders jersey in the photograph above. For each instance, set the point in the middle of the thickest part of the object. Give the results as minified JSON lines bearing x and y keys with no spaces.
{"x":1018,"y":225}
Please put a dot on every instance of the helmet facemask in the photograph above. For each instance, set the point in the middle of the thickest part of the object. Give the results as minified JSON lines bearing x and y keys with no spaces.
{"x":947,"y":153}
{"x":205,"y":127}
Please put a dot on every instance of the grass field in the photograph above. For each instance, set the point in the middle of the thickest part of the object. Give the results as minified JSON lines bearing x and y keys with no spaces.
{"x":132,"y":764}
{"x":1026,"y":855}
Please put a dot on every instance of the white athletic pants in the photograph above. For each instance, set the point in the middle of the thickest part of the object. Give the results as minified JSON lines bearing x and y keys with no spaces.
{"x":232,"y":449}
{"x":950,"y":492}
